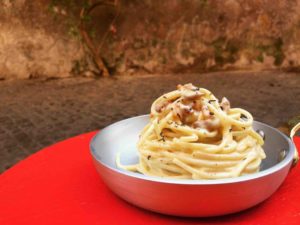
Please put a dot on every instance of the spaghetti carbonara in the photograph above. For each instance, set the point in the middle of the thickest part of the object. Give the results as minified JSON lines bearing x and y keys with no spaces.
{"x":191,"y":135}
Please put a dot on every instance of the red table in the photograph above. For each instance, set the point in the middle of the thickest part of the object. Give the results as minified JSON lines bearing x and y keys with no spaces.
{"x":59,"y":185}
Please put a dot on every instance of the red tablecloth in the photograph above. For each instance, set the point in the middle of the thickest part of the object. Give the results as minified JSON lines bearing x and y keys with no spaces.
{"x":59,"y":185}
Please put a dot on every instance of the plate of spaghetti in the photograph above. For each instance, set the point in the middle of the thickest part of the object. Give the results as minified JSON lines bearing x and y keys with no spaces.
{"x":194,"y":155}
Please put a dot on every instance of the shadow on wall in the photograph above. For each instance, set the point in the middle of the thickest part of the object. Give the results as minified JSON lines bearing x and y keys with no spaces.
{"x":47,"y":38}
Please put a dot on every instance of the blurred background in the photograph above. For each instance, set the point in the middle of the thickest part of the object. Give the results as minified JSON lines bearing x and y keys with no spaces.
{"x":68,"y":67}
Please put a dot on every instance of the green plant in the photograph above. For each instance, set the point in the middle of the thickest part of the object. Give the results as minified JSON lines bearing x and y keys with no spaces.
{"x":260,"y":58}
{"x":224,"y":50}
{"x":274,"y":49}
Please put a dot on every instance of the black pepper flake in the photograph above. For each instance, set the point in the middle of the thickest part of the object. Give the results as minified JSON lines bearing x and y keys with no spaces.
{"x":230,"y":130}
{"x":178,"y":115}
{"x":244,"y":128}
{"x":164,"y":97}
{"x":243,"y":117}
{"x":149,"y":157}
{"x":196,"y":89}
{"x":222,"y":108}
{"x":211,"y":113}
{"x":210,"y":101}
{"x":244,"y":158}
{"x":162,"y":138}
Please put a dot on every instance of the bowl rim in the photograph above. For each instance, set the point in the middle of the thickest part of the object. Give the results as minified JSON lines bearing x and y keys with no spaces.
{"x":282,"y":164}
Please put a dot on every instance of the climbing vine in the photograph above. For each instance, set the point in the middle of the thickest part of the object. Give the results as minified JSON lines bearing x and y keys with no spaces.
{"x":78,"y":17}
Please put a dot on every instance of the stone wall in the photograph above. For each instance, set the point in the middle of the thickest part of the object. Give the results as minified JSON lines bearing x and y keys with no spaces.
{"x":33,"y":43}
{"x":41,"y":38}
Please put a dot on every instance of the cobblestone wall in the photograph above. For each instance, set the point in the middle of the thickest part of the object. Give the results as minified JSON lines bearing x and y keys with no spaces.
{"x":41,"y":38}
